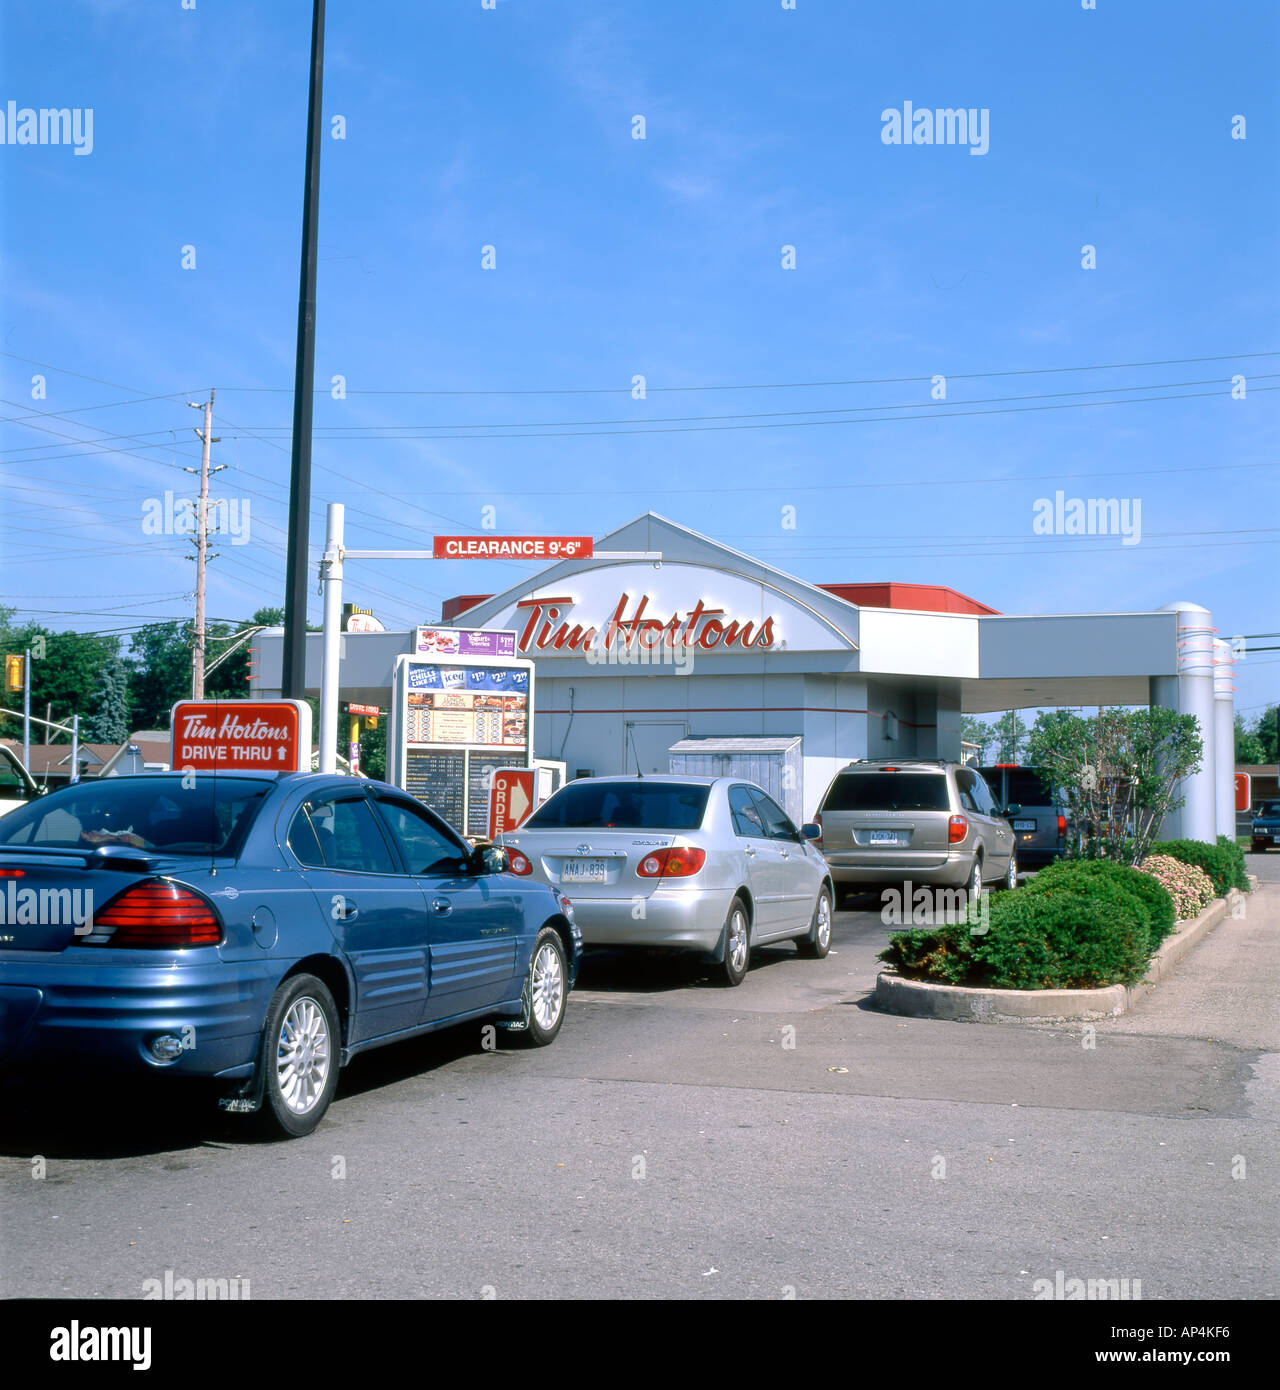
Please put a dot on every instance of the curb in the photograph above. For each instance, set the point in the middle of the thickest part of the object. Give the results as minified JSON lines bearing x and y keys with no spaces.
{"x":962,"y":1004}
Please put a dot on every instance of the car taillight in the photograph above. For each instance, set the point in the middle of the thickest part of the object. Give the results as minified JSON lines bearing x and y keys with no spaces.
{"x":957,"y":829}
{"x":1062,"y":825}
{"x":13,"y":873}
{"x":157,"y":916}
{"x":518,"y":863}
{"x":677,"y":861}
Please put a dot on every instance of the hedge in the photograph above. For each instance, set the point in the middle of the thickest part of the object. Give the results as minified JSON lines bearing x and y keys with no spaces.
{"x":1056,"y":940}
{"x":1223,"y":862}
{"x":1118,"y":884}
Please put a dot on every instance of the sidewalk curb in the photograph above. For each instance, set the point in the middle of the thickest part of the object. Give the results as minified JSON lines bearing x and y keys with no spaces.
{"x":962,"y":1004}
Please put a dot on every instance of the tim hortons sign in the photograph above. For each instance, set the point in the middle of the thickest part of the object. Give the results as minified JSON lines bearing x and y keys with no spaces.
{"x":546,"y":627}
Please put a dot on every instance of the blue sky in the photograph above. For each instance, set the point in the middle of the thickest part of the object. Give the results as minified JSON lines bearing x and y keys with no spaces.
{"x":512,"y":128}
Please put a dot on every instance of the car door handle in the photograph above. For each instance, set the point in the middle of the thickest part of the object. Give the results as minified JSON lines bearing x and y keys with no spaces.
{"x":785,"y":853}
{"x":441,"y":905}
{"x":344,"y":909}
{"x":749,"y":852}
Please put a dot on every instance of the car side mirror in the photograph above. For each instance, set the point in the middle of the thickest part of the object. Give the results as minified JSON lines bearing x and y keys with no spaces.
{"x":490,"y":859}
{"x":811,"y":831}
{"x":1014,"y":809}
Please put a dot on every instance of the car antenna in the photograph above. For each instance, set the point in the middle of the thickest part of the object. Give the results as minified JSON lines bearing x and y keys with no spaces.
{"x":631,"y":734}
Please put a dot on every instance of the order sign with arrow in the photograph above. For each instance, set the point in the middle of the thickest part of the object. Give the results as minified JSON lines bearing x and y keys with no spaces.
{"x":511,"y":799}
{"x":241,"y":736}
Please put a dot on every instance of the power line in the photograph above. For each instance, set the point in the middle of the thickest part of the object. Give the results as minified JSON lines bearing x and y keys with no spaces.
{"x":767,"y":385}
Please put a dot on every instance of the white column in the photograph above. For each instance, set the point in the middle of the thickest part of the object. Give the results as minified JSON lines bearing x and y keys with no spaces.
{"x":1224,"y":738}
{"x":1191,"y":692}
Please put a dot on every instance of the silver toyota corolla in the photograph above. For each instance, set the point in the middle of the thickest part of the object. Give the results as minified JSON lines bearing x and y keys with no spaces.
{"x":712,"y":864}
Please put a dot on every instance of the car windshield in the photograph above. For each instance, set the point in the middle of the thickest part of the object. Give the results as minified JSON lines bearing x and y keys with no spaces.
{"x":887,"y":791}
{"x":1027,"y":786}
{"x":149,"y":813}
{"x":631,"y":805}
{"x":1269,"y":808}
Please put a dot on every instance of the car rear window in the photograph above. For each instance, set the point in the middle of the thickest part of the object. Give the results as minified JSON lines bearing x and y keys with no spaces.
{"x":150,"y":813}
{"x":639,"y":805}
{"x":887,"y":791}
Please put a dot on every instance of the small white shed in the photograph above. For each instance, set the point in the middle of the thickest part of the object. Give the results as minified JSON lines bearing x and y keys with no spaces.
{"x":773,"y":762}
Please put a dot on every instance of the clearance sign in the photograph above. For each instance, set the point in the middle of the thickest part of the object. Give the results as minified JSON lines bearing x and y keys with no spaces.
{"x":240,"y":736}
{"x":512,"y":547}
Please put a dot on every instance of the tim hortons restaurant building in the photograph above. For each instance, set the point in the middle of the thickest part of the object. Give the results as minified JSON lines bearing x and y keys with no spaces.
{"x":709,"y":661}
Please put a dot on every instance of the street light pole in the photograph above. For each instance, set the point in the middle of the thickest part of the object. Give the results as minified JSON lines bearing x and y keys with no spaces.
{"x":294,"y":672}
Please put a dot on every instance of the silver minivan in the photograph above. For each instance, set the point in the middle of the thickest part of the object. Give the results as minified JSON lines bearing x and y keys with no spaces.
{"x":926,"y":821}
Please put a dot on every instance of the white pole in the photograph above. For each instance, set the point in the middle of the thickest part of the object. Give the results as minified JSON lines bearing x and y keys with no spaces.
{"x":75,"y":749}
{"x":26,"y":710}
{"x":331,"y":582}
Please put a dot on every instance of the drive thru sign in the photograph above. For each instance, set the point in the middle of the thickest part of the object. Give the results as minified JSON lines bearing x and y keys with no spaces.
{"x":241,"y":736}
{"x":511,"y":799}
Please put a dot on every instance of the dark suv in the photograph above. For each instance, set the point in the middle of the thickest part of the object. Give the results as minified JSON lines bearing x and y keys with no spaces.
{"x":1026,"y":798}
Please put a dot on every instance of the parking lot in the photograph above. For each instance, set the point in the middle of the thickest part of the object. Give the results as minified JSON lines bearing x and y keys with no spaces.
{"x":682,"y":1139}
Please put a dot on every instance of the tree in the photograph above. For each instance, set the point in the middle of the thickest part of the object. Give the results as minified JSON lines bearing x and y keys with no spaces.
{"x":1248,"y":744}
{"x":66,"y":668}
{"x":975,"y":730}
{"x":1119,"y":771}
{"x":1009,"y":733}
{"x":160,"y":672}
{"x":109,"y":720}
{"x":1266,"y":728}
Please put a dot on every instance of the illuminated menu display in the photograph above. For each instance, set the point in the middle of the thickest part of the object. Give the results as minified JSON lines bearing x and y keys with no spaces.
{"x":472,"y":706}
{"x":437,"y":779}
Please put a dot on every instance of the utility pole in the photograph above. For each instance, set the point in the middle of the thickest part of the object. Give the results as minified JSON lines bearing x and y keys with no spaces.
{"x":293,"y":675}
{"x":202,"y":542}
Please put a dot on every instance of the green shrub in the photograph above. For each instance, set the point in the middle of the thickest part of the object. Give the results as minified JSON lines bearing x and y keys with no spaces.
{"x":1048,"y":940}
{"x":1061,"y":940}
{"x":1187,"y":884}
{"x":1223,"y":862}
{"x":942,"y":954}
{"x":1235,"y":853}
{"x":1118,"y":884}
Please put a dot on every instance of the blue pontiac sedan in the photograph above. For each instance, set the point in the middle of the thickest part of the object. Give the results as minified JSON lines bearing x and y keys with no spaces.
{"x":259,"y":930}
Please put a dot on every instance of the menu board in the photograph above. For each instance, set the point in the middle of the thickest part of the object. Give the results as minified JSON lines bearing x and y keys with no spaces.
{"x":471,"y":705}
{"x":438,"y":780}
{"x":479,"y":773}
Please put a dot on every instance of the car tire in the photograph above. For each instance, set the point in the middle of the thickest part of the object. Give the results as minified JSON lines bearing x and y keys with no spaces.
{"x":735,"y":959}
{"x":1011,"y":873}
{"x":1259,"y":847}
{"x":816,"y":945}
{"x":301,"y":1042}
{"x":974,"y":887}
{"x":546,"y":991}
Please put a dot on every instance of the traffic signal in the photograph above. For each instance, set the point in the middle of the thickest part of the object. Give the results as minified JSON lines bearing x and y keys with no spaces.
{"x":13,"y":672}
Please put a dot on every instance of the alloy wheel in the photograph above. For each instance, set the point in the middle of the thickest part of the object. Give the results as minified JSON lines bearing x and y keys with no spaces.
{"x":302,"y":1055}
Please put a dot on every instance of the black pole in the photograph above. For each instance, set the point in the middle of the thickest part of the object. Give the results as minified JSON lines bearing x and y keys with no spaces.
{"x":293,"y":674}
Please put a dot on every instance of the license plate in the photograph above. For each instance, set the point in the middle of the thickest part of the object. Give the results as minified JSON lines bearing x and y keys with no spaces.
{"x":584,"y":871}
{"x":1276,"y":839}
{"x":883,"y":837}
{"x":1024,"y":825}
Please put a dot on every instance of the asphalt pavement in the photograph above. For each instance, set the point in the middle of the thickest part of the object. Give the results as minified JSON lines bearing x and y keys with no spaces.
{"x":681,"y":1139}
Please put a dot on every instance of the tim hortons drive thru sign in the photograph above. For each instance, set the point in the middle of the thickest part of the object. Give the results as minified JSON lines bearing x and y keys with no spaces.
{"x":241,"y":736}
{"x":547,"y":628}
